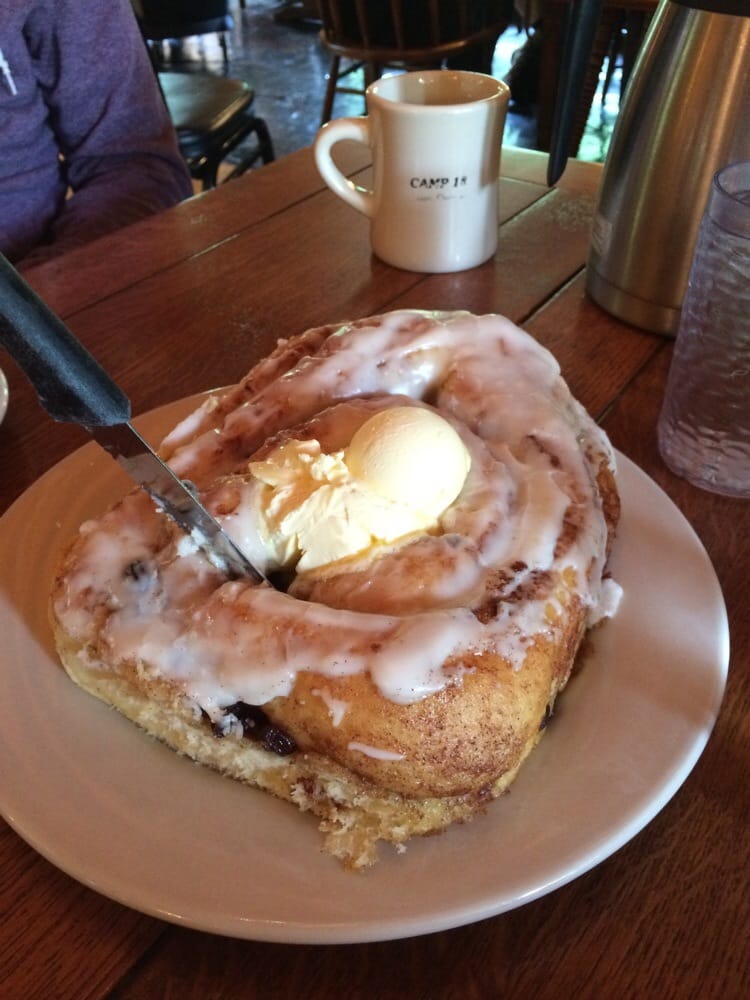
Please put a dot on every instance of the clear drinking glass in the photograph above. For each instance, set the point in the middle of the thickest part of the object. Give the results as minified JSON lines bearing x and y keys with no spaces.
{"x":704,"y":427}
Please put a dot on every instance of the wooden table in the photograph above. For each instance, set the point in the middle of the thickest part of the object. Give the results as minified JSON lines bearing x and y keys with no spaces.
{"x":189,"y":300}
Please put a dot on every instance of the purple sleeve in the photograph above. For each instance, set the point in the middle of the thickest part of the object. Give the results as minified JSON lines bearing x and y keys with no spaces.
{"x":120,"y":153}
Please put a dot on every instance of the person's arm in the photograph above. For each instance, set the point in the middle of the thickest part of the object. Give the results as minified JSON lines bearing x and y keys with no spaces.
{"x":120,"y":154}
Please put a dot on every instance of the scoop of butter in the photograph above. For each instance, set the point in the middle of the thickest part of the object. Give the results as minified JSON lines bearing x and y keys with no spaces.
{"x":401,"y":470}
{"x":410,"y":455}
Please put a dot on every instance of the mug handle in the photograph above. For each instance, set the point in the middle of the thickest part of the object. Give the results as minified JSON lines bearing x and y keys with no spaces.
{"x":358,"y":130}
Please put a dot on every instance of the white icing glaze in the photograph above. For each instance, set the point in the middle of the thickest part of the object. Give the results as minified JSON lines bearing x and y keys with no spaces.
{"x":375,"y":752}
{"x":336,"y":706}
{"x":609,"y":602}
{"x":535,"y":452}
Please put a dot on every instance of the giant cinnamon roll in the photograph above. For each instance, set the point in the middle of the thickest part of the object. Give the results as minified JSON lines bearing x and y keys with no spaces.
{"x":391,"y":687}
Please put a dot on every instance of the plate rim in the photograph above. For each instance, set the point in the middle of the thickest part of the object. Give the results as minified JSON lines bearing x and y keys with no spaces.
{"x":347,"y":931}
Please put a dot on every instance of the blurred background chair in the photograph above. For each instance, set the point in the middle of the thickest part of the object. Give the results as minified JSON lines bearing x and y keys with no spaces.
{"x":213,"y":116}
{"x":164,"y":20}
{"x":374,"y":35}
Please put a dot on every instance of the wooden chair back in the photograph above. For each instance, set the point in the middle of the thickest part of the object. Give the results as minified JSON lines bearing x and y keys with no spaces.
{"x":408,"y":34}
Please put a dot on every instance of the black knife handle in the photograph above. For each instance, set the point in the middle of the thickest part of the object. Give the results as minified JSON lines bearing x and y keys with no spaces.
{"x":71,"y":385}
{"x":580,"y":31}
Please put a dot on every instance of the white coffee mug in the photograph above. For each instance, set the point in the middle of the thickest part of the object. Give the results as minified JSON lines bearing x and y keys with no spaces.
{"x":435,"y":138}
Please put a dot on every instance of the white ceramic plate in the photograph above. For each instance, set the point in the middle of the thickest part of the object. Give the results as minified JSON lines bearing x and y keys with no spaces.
{"x":140,"y":824}
{"x":3,"y":395}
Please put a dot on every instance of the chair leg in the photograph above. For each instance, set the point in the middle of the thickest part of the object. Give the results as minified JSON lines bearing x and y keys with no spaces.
{"x":265,"y":143}
{"x":156,"y":51}
{"x":637,"y":22}
{"x":613,"y":53}
{"x":208,"y":175}
{"x":263,"y":150}
{"x":333,"y":77}
{"x":372,"y":71}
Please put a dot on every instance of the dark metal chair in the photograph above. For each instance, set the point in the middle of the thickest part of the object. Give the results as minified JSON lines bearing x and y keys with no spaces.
{"x":212,"y":116}
{"x":382,"y":34}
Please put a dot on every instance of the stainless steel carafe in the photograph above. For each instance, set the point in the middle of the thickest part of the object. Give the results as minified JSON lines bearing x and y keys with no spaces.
{"x":685,"y":114}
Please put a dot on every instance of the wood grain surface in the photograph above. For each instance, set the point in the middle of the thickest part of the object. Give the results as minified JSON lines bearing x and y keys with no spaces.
{"x":190,"y":300}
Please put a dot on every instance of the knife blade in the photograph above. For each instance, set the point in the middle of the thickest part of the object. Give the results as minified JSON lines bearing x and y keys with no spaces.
{"x":175,"y":497}
{"x":73,"y":388}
